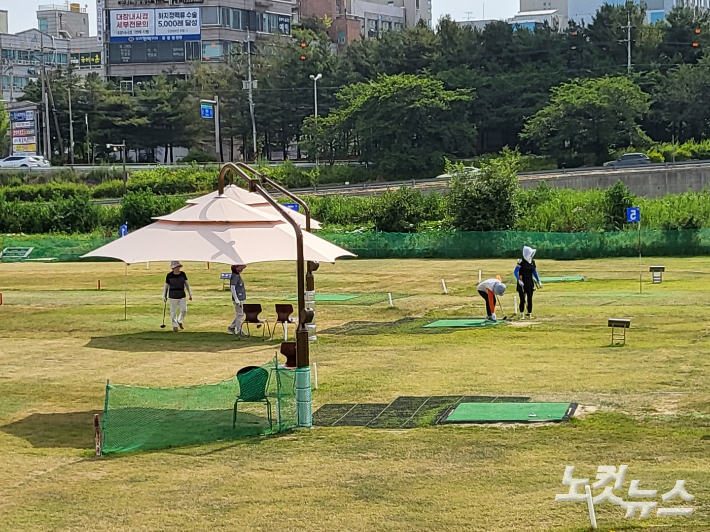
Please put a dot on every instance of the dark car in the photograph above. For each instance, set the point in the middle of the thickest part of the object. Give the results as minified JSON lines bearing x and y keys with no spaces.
{"x":629,"y":159}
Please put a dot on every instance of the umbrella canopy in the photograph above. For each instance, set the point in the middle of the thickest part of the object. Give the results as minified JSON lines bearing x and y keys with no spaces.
{"x":226,"y":243}
{"x":255,"y":201}
{"x":221,"y":209}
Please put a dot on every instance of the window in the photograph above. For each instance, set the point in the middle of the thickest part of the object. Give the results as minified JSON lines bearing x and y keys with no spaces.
{"x":338,"y":6}
{"x":19,"y":83}
{"x":341,"y":37}
{"x":5,"y":82}
{"x":284,"y":25}
{"x":62,"y":59}
{"x":42,"y":24}
{"x":212,"y":50}
{"x":193,"y":50}
{"x":210,"y":16}
{"x":417,"y":4}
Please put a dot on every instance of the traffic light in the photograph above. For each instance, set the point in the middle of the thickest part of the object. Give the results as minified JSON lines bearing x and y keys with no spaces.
{"x":304,"y":45}
{"x":695,"y":42}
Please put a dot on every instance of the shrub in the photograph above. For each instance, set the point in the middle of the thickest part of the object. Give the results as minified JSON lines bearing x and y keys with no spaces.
{"x":399,"y":211}
{"x":617,"y":199}
{"x":45,"y":192}
{"x":197,"y":156}
{"x":139,"y":207}
{"x":486,"y":201}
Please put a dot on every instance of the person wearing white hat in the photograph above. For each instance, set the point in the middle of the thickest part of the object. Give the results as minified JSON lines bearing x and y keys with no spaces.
{"x":488,"y":290}
{"x":175,"y":286}
{"x":526,"y":274}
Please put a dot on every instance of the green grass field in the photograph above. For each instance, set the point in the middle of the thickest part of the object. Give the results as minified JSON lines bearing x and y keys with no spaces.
{"x":646,"y":405}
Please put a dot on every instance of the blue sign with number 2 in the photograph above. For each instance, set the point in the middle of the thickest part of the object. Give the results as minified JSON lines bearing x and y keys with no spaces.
{"x":633,"y":214}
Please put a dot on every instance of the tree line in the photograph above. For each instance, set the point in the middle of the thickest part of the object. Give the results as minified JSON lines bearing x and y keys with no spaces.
{"x":405,"y":101}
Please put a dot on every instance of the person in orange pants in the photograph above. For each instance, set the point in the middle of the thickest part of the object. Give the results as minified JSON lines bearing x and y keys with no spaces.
{"x":489,"y":289}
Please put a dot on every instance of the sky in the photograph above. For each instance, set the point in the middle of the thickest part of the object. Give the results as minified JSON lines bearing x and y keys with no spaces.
{"x":22,"y":13}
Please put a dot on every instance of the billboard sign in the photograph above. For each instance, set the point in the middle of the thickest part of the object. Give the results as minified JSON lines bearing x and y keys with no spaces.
{"x":24,"y":132}
{"x":100,"y":22}
{"x":168,"y":24}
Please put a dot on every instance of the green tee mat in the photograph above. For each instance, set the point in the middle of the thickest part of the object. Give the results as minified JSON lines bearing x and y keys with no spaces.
{"x":509,"y":412}
{"x":463,"y":323}
{"x":330,"y":297}
{"x":561,"y":279}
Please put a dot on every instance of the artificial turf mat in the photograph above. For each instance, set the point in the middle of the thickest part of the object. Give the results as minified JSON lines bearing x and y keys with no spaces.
{"x":330,"y":297}
{"x":509,"y":412}
{"x":561,"y":279}
{"x":468,"y":322}
{"x":403,"y":412}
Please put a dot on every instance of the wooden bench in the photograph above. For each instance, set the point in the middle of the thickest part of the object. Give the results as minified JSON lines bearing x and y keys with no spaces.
{"x":618,"y":323}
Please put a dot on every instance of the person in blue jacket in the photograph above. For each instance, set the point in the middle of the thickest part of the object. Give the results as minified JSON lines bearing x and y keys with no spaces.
{"x":526,"y":274}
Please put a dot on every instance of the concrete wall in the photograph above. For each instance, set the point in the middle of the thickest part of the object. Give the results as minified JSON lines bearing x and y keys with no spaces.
{"x":649,"y":182}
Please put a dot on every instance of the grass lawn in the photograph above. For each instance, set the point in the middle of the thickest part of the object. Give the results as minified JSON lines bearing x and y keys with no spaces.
{"x":60,"y":339}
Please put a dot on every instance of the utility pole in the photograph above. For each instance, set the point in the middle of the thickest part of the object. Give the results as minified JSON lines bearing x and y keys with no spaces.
{"x":217,"y":136}
{"x":88,"y":145}
{"x":43,"y":72}
{"x":250,"y":88}
{"x":71,"y":126}
{"x":628,"y":44}
{"x":315,"y":104}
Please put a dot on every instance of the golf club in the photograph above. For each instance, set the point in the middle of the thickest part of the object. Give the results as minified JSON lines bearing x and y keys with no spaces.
{"x":165,"y":304}
{"x":501,"y":308}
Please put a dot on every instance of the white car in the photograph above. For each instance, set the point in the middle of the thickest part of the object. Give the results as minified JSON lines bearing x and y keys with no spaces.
{"x":472,"y":170}
{"x":24,"y":161}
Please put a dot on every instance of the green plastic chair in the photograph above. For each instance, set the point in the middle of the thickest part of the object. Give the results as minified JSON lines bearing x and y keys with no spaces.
{"x":253,"y":386}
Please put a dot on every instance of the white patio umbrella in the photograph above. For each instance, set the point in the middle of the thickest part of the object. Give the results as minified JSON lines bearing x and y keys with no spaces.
{"x":254,"y":200}
{"x":222,"y":242}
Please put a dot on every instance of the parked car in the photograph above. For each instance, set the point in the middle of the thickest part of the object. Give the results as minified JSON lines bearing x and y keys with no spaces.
{"x":468,"y":169}
{"x":629,"y":159}
{"x":24,"y":161}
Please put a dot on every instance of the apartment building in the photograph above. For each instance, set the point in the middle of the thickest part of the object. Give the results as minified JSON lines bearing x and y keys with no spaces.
{"x":61,"y":39}
{"x":146,"y":37}
{"x":353,"y":19}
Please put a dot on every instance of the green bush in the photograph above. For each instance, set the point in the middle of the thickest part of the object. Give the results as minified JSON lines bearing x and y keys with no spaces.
{"x":197,"y":156}
{"x":617,"y":199}
{"x":399,"y":211}
{"x":139,"y":207}
{"x":486,"y":201}
{"x":45,"y":192}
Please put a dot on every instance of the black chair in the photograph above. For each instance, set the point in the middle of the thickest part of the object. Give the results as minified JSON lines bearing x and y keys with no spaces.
{"x":251,"y":315}
{"x":253,"y":386}
{"x":283,"y":317}
{"x":288,"y":349}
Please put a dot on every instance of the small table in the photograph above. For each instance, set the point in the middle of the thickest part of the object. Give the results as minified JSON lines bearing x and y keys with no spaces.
{"x":657,"y":273}
{"x":618,"y":323}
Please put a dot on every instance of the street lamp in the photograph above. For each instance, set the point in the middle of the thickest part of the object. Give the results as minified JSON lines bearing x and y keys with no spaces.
{"x":122,"y":147}
{"x":315,"y":104}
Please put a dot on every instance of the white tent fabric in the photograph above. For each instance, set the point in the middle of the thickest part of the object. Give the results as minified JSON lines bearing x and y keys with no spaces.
{"x":226,"y":243}
{"x":255,"y":201}
{"x":221,"y":209}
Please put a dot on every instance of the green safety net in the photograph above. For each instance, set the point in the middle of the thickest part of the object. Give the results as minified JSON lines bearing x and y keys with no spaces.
{"x":450,"y":245}
{"x":509,"y":244}
{"x":139,"y":418}
{"x":49,"y":248}
{"x":564,"y":279}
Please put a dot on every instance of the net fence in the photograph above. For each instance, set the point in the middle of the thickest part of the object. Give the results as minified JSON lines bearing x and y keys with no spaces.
{"x":443,"y":245}
{"x":257,"y":401}
{"x":49,"y":248}
{"x":507,"y":244}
